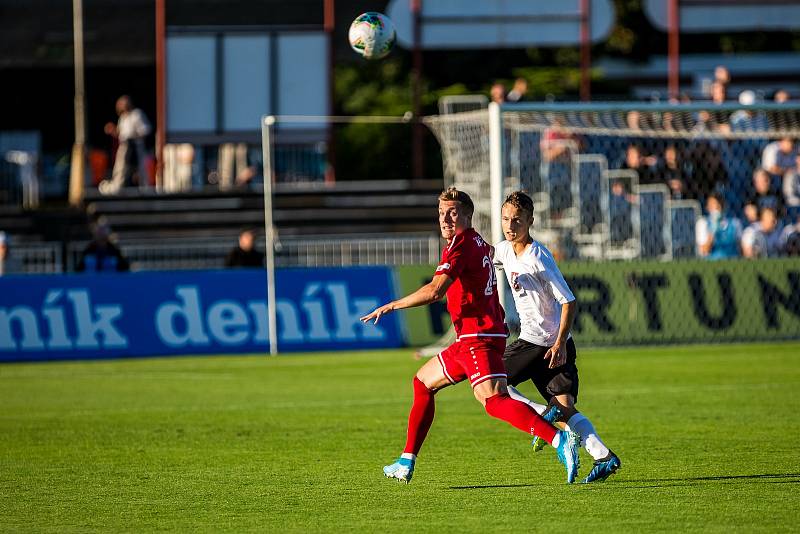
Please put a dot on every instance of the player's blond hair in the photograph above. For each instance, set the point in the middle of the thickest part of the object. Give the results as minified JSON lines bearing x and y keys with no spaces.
{"x":521,"y":201}
{"x":451,"y":194}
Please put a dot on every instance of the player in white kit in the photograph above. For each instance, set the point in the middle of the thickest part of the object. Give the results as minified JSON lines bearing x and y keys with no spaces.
{"x":545,"y":352}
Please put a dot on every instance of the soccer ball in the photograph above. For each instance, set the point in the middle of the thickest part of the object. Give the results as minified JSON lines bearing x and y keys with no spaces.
{"x":372,"y":35}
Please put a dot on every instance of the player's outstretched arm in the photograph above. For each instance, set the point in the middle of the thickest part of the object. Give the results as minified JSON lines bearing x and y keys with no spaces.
{"x":430,"y":292}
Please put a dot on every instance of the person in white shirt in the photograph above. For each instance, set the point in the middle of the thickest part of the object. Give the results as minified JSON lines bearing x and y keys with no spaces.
{"x":131,"y":131}
{"x":545,"y":352}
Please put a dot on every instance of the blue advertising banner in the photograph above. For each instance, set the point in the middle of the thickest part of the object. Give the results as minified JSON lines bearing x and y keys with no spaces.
{"x":191,"y":312}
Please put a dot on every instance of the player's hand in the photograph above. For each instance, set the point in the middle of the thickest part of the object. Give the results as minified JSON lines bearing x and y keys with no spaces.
{"x":557,"y":354}
{"x":378,"y":312}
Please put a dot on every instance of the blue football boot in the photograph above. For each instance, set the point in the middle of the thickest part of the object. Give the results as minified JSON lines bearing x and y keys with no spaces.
{"x":402,"y":470}
{"x":550,"y":414}
{"x":603,"y":468}
{"x":567,"y":451}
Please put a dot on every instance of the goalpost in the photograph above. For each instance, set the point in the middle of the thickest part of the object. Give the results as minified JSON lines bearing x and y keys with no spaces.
{"x":302,"y":123}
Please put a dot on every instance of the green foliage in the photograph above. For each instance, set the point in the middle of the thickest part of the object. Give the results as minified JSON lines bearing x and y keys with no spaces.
{"x":296,"y":444}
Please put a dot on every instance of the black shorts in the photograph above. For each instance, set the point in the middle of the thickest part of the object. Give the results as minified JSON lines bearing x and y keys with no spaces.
{"x":525,"y":361}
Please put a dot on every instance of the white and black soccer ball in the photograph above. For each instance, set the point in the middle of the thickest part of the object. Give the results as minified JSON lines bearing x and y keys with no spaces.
{"x":372,"y":35}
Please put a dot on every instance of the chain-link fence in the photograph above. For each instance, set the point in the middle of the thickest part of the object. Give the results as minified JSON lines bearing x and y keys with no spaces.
{"x":634,"y":181}
{"x":649,"y":184}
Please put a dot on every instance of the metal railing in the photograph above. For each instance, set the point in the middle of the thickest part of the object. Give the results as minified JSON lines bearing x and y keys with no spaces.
{"x":39,"y":258}
{"x":327,"y":251}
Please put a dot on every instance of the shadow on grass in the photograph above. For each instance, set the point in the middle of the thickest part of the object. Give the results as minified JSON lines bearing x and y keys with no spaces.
{"x":769,"y":478}
{"x":762,"y":478}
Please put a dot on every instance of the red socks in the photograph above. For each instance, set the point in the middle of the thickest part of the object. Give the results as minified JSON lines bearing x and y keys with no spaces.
{"x":519,"y":415}
{"x":421,"y":417}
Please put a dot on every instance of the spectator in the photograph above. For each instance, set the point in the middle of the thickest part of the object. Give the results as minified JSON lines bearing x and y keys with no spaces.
{"x":101,"y":255}
{"x":717,"y":121}
{"x":633,"y":119}
{"x":781,"y":96}
{"x":763,"y":195}
{"x":746,"y":120}
{"x":643,"y":165}
{"x":518,"y":90}
{"x":557,"y":145}
{"x":722,"y":75}
{"x":790,"y":238}
{"x":245,"y":254}
{"x":670,"y":172}
{"x":779,"y":156}
{"x":763,"y":239}
{"x":130,"y":132}
{"x":791,"y":190}
{"x":619,"y":207}
{"x":497,"y":93}
{"x":8,"y":263}
{"x":717,"y":235}
{"x":719,"y":92}
{"x":708,"y":172}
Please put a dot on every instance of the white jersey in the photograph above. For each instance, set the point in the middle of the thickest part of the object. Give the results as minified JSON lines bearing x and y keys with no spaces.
{"x":539,"y":290}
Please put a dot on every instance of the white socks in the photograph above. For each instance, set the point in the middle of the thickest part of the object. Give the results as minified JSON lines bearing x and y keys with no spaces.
{"x":578,"y":423}
{"x":589,"y":439}
{"x":409,"y":456}
{"x":516,"y":395}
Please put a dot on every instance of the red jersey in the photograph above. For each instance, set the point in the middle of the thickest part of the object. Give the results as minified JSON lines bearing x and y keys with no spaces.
{"x":472,"y":298}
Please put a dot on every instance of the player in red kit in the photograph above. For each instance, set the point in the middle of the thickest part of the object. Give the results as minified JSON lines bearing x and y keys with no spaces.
{"x":466,"y":276}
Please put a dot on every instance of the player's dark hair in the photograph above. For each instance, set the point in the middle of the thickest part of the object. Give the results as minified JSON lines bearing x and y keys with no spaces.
{"x":451,"y":194}
{"x":521,"y":201}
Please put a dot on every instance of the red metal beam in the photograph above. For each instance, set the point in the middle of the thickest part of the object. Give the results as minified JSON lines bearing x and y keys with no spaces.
{"x":161,"y":90}
{"x":329,"y":24}
{"x":673,"y":55}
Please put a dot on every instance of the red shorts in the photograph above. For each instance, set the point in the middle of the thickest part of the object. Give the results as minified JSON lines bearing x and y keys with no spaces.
{"x":475,"y":358}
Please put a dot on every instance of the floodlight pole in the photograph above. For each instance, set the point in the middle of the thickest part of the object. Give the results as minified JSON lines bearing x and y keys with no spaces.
{"x":78,"y":162}
{"x":417,"y":146}
{"x":267,"y":124}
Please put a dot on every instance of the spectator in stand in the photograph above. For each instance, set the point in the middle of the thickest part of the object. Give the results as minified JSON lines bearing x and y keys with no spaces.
{"x":763,"y":239}
{"x":620,"y":207}
{"x":670,"y":172}
{"x":633,"y":119}
{"x":781,"y":96}
{"x":101,"y":255}
{"x":779,"y":157}
{"x":746,"y":120}
{"x":717,"y":121}
{"x":518,"y":90}
{"x":790,"y":238}
{"x":8,"y":263}
{"x":762,"y":195}
{"x":557,"y":146}
{"x":717,"y":235}
{"x":130,"y":131}
{"x":722,"y":75}
{"x":791,"y":190}
{"x":245,"y":254}
{"x":497,"y":93}
{"x":643,"y":165}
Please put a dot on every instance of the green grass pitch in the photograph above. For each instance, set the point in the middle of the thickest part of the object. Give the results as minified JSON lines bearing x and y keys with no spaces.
{"x":708,"y":437}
